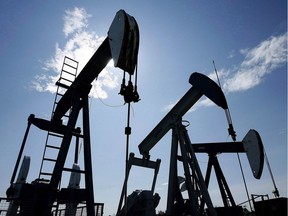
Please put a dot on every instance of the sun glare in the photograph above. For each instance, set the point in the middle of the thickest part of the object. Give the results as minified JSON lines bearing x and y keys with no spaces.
{"x":110,"y":63}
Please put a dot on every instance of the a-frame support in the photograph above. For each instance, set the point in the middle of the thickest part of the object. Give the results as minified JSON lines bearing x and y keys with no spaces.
{"x":80,"y":101}
{"x":226,"y":194}
{"x":194,"y":180}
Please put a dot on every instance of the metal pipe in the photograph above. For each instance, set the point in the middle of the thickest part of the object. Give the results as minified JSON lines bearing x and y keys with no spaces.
{"x":87,"y":158}
{"x":185,"y":103}
{"x":172,"y":181}
{"x":22,"y":148}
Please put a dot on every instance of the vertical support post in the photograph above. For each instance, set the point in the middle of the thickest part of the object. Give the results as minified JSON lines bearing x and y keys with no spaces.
{"x":155,"y":175}
{"x":87,"y":158}
{"x":172,"y":184}
{"x":209,"y":169}
{"x":76,"y":150}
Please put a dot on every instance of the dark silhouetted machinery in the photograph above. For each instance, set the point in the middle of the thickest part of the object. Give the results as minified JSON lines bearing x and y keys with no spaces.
{"x":45,"y":195}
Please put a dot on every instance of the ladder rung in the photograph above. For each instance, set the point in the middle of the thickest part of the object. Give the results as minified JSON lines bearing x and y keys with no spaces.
{"x":56,"y":135}
{"x":65,"y":115}
{"x":59,"y":94}
{"x":71,"y":66}
{"x":62,"y":85}
{"x":42,"y":179}
{"x":65,"y":80}
{"x":73,"y":170}
{"x":45,"y":173}
{"x":51,"y":146}
{"x":78,"y":135}
{"x":70,"y":59}
{"x":50,"y":159}
{"x":68,"y":72}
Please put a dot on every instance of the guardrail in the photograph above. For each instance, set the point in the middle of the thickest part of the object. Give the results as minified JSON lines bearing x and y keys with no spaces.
{"x":60,"y":210}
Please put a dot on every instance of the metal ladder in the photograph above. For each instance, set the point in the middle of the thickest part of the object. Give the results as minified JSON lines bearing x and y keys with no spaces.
{"x":53,"y":140}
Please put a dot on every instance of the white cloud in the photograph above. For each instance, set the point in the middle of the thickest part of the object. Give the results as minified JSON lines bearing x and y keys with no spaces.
{"x":222,"y":75}
{"x":75,"y":20}
{"x":258,"y":62}
{"x":231,"y":54}
{"x":80,"y":45}
{"x":206,"y":102}
{"x":168,"y":107}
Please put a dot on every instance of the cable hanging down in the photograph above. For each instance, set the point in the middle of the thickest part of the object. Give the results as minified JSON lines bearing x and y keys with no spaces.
{"x":232,"y":133}
{"x":130,"y":94}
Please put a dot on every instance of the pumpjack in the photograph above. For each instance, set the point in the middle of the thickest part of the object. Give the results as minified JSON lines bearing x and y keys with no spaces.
{"x":44,"y":195}
{"x":193,"y":180}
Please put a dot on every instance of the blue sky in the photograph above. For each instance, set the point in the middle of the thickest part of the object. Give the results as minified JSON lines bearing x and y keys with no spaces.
{"x":246,"y":39}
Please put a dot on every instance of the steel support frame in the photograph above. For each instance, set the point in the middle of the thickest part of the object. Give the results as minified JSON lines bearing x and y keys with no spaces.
{"x":80,"y":101}
{"x":222,"y":183}
{"x":141,"y":162}
{"x":193,"y":180}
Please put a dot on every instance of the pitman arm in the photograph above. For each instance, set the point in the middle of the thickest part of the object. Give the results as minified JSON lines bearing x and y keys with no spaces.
{"x":121,"y":45}
{"x":202,"y":85}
